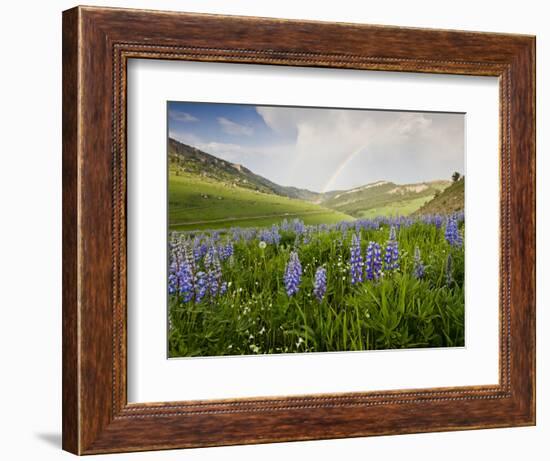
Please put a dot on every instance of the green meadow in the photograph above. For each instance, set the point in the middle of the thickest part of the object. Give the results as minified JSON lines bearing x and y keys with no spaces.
{"x":197,"y":203}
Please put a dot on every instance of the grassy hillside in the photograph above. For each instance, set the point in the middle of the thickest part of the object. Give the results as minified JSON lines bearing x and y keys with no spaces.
{"x":384,"y":198}
{"x":192,"y":160}
{"x":204,"y":176}
{"x":199,"y":202}
{"x":448,"y":201}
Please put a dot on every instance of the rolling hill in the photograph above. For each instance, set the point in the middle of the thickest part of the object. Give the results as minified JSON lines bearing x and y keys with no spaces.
{"x":208,"y":192}
{"x":384,"y":198}
{"x":448,"y":201}
{"x":197,"y":202}
{"x":192,"y":160}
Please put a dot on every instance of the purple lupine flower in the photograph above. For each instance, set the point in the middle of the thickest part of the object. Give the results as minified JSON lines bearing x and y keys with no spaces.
{"x":173,"y":277}
{"x":320,"y":283}
{"x":185,"y":281}
{"x":265,"y":236}
{"x":209,"y":257}
{"x":201,"y":286}
{"x":373,"y":261}
{"x":285,"y":226}
{"x":418,"y":264}
{"x":298,"y":226}
{"x":293,"y":274}
{"x":356,"y":260}
{"x":226,"y":251}
{"x":391,"y":256}
{"x":452,"y":233}
{"x":214,"y":277}
{"x":449,"y":270}
{"x":199,"y":249}
{"x":214,"y":270}
{"x":275,"y":236}
{"x":180,"y":273}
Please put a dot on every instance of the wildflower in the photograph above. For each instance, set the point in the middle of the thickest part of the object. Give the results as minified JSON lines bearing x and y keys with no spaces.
{"x":199,"y":248}
{"x":449,"y":270}
{"x":392,"y":233}
{"x":373,"y":261}
{"x":285,"y":226}
{"x":173,"y":277}
{"x":452,"y":233}
{"x":298,"y":226}
{"x":185,"y":280}
{"x":391,"y":256}
{"x":418,"y":264}
{"x":320,"y":283}
{"x":356,"y":260}
{"x":226,"y":251}
{"x":262,"y":245}
{"x":293,"y":274}
{"x":213,"y":270}
{"x":275,"y":236}
{"x":180,"y":279}
{"x":201,"y":286}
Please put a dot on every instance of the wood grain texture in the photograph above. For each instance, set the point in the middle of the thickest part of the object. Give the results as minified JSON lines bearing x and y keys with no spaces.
{"x":97,"y":43}
{"x":70,"y":384}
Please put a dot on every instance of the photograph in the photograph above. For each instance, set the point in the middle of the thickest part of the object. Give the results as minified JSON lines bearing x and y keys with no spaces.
{"x":312,"y":229}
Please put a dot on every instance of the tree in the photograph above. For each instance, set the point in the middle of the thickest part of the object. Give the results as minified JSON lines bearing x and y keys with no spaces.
{"x":456,"y":176}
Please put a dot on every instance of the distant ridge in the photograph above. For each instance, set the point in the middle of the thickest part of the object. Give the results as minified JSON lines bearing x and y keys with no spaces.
{"x":381,"y":197}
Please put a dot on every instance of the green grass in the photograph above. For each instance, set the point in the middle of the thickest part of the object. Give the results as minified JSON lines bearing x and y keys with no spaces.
{"x":384,"y":199}
{"x":450,"y":200}
{"x":256,"y":316}
{"x":402,"y":208}
{"x":198,"y":203}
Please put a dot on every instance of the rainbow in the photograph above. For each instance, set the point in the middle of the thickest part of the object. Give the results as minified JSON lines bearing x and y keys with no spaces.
{"x":341,"y":168}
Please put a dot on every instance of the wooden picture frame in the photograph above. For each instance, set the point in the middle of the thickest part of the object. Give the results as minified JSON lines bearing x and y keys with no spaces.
{"x":97,"y":43}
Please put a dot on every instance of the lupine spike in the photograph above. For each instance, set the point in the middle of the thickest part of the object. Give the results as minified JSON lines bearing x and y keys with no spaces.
{"x":452,"y":234}
{"x":391,"y":256}
{"x":320,"y":283}
{"x":373,"y":261}
{"x":356,"y":260}
{"x":201,"y":286}
{"x":418,"y":264}
{"x":293,"y":274}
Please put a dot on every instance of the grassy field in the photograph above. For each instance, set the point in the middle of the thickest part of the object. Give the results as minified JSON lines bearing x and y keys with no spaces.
{"x":402,"y":208}
{"x":260,"y":292}
{"x":199,"y":203}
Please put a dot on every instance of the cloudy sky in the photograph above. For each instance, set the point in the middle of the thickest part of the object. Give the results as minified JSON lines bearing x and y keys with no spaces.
{"x":324,"y":149}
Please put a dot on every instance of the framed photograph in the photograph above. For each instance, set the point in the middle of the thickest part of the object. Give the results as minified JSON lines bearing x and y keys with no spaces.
{"x":280,"y":230}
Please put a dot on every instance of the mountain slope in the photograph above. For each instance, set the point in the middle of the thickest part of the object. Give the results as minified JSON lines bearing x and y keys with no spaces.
{"x":184,"y":158}
{"x":375,"y":199}
{"x":448,"y":201}
{"x":197,"y":202}
{"x":383,"y":198}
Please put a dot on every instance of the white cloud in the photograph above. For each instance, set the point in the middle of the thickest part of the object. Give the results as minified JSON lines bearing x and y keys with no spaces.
{"x":339,"y":149}
{"x":182,"y":117}
{"x":410,"y":124}
{"x":234,"y":128}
